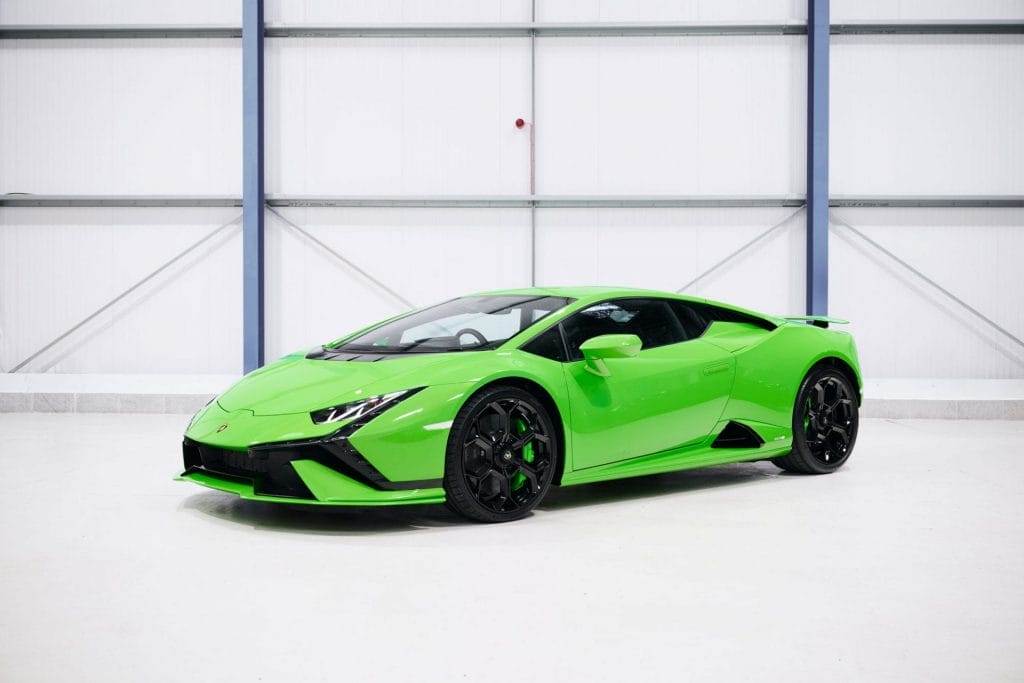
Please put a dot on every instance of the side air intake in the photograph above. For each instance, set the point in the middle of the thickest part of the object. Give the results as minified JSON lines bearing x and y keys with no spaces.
{"x":736,"y":435}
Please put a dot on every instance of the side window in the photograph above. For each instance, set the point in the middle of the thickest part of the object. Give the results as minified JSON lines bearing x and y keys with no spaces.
{"x":650,"y":319}
{"x":693,"y":322}
{"x":547,"y":345}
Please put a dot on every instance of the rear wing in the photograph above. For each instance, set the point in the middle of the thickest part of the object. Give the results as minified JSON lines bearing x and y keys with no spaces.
{"x":816,"y":320}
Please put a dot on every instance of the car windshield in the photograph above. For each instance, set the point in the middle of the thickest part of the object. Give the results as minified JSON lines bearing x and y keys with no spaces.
{"x":471,"y":323}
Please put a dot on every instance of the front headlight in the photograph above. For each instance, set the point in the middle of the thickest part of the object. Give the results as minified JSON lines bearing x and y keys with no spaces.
{"x":359,"y":409}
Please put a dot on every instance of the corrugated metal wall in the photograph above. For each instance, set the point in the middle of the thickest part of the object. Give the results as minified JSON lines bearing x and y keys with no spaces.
{"x":661,"y":115}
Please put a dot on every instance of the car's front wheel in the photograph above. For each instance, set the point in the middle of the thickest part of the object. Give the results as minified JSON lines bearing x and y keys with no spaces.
{"x":501,"y":455}
{"x":824,"y":423}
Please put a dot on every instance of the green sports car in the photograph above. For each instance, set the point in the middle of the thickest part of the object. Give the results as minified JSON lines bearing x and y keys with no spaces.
{"x":486,"y":401}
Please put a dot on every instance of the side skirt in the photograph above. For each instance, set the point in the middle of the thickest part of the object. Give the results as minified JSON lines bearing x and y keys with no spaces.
{"x":686,"y":458}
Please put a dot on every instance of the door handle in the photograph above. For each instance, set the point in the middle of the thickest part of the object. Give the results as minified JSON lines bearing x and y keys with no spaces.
{"x":716,"y":367}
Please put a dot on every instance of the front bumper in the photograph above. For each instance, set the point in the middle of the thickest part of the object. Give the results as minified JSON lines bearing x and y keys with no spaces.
{"x":325,"y":471}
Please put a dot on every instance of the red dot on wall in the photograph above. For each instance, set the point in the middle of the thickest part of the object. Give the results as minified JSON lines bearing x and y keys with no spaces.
{"x":520,"y":123}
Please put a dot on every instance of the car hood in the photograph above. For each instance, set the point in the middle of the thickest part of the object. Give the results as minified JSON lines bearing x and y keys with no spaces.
{"x":296,"y":384}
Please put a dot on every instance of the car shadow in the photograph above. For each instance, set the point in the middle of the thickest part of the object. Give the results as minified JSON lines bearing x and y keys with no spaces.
{"x":356,"y":521}
{"x":654,"y":485}
{"x":348,"y":521}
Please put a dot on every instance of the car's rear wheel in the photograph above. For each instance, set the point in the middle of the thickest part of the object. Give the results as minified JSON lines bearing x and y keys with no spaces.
{"x":824,"y":423}
{"x":501,"y":455}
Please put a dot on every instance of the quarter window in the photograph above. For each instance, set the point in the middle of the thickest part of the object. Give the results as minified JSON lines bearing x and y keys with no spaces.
{"x":547,"y":345}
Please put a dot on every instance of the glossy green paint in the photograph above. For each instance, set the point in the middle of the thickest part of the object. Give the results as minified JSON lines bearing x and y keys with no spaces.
{"x":623,"y":411}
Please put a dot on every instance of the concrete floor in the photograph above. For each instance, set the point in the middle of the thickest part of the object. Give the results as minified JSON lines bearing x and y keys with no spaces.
{"x":906,"y":565}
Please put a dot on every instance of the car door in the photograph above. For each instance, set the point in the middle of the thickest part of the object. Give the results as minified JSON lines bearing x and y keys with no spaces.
{"x":671,"y":394}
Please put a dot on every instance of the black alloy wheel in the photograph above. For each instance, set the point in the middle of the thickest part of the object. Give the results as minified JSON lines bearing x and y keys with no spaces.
{"x":825,"y":421}
{"x":501,"y":455}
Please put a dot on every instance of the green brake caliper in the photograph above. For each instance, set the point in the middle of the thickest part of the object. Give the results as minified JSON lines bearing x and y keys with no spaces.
{"x":519,"y":479}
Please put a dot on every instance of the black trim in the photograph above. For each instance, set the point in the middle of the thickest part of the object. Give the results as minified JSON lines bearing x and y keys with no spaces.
{"x":737,"y":435}
{"x":267,"y":465}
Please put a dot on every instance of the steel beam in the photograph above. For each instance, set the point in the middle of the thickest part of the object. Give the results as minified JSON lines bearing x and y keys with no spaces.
{"x":252,"y":185}
{"x":527,"y":29}
{"x":501,"y":29}
{"x":517,"y":201}
{"x":539,"y":201}
{"x":19,"y":199}
{"x":928,"y":28}
{"x":928,"y":201}
{"x":17,"y":32}
{"x":817,"y":157}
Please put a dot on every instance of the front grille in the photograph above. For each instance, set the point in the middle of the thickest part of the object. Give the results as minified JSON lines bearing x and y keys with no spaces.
{"x":268,"y":466}
{"x":245,"y":462}
{"x":270,"y":475}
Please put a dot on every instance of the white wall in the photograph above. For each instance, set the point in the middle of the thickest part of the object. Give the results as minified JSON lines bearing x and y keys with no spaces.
{"x":58,"y":266}
{"x":930,"y":115}
{"x":226,"y":12}
{"x":664,"y":115}
{"x":671,"y":115}
{"x":397,"y":116}
{"x":907,"y":328}
{"x":913,"y":10}
{"x":421,"y":116}
{"x":118,"y":117}
{"x":424,"y":255}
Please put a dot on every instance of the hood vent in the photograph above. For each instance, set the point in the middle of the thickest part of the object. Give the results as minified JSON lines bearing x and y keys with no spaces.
{"x":332,"y":354}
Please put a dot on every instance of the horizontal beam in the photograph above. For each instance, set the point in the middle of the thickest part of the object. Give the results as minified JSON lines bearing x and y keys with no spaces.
{"x":539,"y":201}
{"x":928,"y":201}
{"x":117,"y":200}
{"x":122,"y":31}
{"x":517,"y":201}
{"x":928,"y":28}
{"x":503,"y":29}
{"x":525,"y":29}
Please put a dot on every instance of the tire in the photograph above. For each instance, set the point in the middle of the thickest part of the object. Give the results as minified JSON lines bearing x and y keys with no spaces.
{"x":825,"y":420}
{"x":501,"y":457}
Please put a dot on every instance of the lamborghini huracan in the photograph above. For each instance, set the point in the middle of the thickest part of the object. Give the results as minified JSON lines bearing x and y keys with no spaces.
{"x":486,"y":401}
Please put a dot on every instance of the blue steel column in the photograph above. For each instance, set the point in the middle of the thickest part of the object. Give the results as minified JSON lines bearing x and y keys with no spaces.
{"x":252,"y":184}
{"x":817,"y":156}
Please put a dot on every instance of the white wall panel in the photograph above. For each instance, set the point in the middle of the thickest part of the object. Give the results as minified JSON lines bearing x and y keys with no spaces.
{"x":671,"y":115}
{"x":395,"y":11}
{"x":672,"y":10}
{"x":917,"y":10}
{"x":905,"y":327}
{"x":120,"y":116}
{"x":927,"y":115}
{"x":58,"y":266}
{"x":397,"y":116}
{"x":666,"y":248}
{"x":120,"y":12}
{"x":425,"y":255}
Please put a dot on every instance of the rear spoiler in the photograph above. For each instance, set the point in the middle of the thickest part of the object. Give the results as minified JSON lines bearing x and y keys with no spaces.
{"x":817,"y":320}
